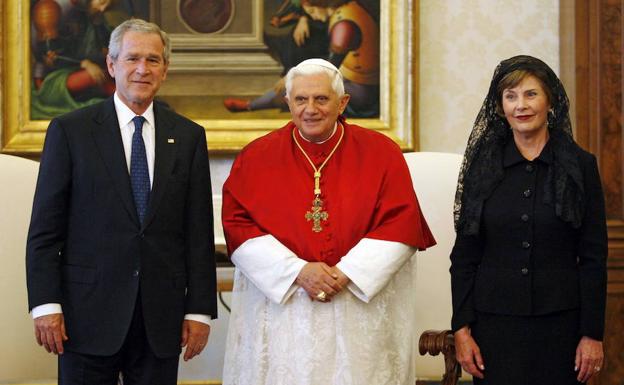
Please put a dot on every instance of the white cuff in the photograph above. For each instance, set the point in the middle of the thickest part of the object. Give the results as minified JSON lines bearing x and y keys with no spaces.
{"x":270,"y":265}
{"x":203,"y":318}
{"x":46,"y":309}
{"x":371,"y":264}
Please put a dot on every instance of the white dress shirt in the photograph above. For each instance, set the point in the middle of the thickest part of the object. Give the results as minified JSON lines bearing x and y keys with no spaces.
{"x":126,"y":126}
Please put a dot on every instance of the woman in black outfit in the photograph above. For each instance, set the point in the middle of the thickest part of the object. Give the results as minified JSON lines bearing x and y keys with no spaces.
{"x":528,"y":267}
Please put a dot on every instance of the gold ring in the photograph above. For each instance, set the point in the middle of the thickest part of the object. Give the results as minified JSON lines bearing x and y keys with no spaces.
{"x":321,"y":296}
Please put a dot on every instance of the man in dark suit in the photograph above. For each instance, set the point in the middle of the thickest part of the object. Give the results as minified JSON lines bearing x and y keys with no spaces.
{"x":120,"y":253}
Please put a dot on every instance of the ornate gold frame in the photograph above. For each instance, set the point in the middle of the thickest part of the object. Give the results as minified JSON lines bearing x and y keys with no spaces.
{"x":398,"y":96}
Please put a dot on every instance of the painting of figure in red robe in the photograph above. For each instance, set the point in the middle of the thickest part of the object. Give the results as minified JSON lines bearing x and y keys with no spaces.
{"x":69,"y":46}
{"x":344,"y":32}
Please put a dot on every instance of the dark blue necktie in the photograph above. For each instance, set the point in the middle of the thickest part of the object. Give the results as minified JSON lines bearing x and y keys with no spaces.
{"x":139,"y":173}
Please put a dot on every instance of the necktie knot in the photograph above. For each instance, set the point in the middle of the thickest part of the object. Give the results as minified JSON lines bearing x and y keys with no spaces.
{"x":138,"y":123}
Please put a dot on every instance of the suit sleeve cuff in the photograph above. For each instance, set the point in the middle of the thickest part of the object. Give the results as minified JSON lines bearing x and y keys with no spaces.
{"x":203,"y":318}
{"x":46,"y":309}
{"x":270,"y":265}
{"x":371,"y":264}
{"x":461,"y":319}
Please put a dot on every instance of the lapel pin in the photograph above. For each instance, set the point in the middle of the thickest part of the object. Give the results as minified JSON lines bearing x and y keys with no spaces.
{"x":170,"y":140}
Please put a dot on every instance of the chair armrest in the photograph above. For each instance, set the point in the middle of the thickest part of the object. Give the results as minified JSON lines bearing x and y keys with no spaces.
{"x":435,"y":342}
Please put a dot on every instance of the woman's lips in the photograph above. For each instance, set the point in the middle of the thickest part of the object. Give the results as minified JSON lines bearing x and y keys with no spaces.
{"x":524,"y":117}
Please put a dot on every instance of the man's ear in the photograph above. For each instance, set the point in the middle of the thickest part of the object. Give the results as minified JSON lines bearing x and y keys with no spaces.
{"x":109,"y":66}
{"x":166,"y":70}
{"x":344,"y":100}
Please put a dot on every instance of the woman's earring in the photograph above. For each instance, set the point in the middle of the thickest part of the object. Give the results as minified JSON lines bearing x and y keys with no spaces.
{"x":550,"y":120}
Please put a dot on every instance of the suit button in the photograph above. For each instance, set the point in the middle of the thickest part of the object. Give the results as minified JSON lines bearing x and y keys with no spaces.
{"x":529,"y":168}
{"x":527,"y":193}
{"x":524,"y":271}
{"x":525,"y":245}
{"x":135,"y":273}
{"x":524,"y":217}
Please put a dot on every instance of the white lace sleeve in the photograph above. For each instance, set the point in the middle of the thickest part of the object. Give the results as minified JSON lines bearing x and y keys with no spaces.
{"x":270,"y":265}
{"x":371,"y":264}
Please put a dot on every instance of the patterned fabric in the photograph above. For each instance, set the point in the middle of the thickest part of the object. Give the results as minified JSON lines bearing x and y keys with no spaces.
{"x":342,"y":342}
{"x":139,"y":173}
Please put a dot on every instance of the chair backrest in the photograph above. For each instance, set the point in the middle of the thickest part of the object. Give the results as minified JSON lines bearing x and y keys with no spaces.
{"x":434,"y":176}
{"x":20,"y":356}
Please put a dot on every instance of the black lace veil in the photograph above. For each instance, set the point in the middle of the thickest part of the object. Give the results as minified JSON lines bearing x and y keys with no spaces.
{"x":482,"y":166}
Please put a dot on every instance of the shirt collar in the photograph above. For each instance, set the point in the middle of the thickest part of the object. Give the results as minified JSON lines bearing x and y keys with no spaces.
{"x":513,"y":156}
{"x":125,"y":114}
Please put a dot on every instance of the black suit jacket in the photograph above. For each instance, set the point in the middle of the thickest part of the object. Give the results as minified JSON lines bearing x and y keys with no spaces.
{"x":526,"y":260}
{"x":86,"y":249}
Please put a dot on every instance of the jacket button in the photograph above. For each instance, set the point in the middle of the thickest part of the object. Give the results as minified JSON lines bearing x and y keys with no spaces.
{"x":529,"y":168}
{"x":135,"y":273}
{"x":525,"y":245}
{"x":524,"y":217}
{"x":527,"y":193}
{"x":524,"y":271}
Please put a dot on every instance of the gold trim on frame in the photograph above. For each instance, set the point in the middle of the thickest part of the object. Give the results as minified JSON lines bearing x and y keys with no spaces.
{"x":398,"y":86}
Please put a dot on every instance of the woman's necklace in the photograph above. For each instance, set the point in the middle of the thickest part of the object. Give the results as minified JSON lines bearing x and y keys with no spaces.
{"x":317,"y":214}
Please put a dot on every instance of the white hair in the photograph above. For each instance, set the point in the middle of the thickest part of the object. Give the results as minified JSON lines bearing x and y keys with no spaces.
{"x":315,"y":67}
{"x":137,"y":25}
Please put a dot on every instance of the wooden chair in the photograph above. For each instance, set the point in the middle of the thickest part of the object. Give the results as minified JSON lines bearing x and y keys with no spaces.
{"x":434,"y":176}
{"x":434,"y":342}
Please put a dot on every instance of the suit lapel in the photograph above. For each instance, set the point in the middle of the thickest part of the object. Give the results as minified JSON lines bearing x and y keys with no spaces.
{"x":165,"y":150}
{"x":108,"y":140}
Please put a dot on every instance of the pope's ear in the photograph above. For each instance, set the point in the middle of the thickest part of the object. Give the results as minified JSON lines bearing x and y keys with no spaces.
{"x":344,"y":100}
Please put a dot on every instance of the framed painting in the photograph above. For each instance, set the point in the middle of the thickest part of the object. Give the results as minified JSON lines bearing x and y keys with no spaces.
{"x":227,"y":61}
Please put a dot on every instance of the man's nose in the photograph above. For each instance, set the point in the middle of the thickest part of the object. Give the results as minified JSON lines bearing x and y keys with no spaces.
{"x":310,"y":106}
{"x":142,"y":67}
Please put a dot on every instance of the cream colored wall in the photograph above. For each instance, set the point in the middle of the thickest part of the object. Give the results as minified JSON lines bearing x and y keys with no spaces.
{"x":461,"y":42}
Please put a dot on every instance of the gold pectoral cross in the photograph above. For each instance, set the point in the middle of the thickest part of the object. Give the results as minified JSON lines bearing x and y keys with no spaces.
{"x":317,"y":215}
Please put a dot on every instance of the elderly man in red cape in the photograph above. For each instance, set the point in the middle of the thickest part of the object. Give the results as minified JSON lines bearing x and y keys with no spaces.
{"x":322,"y":223}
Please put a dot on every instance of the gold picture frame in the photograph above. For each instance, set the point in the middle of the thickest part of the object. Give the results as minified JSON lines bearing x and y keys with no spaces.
{"x":398,"y":117}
